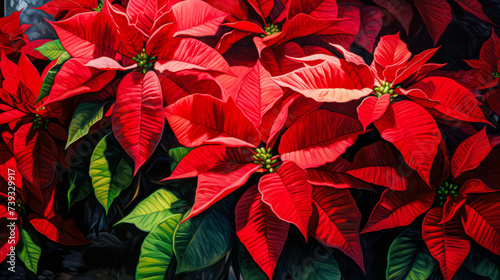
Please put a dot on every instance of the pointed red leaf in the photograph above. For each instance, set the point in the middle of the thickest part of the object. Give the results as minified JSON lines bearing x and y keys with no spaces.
{"x":74,"y":78}
{"x":90,"y":35}
{"x":59,"y":230}
{"x":288,"y":194}
{"x":448,"y":98}
{"x":391,"y":50}
{"x":257,"y":93}
{"x":260,"y":230}
{"x":138,"y":117}
{"x":481,"y":221}
{"x":197,"y":18}
{"x":436,"y":15}
{"x":414,"y":133}
{"x":218,"y":182}
{"x":470,"y":153}
{"x":129,"y":35}
{"x":262,"y":7}
{"x":399,"y":208}
{"x":401,"y":10}
{"x":372,"y":109}
{"x":198,"y":119}
{"x":309,"y":143}
{"x":447,"y":242}
{"x":36,"y":155}
{"x":335,"y":223}
{"x":141,"y":13}
{"x":371,"y":23}
{"x":106,"y":63}
{"x":192,"y":166}
{"x":331,"y":81}
{"x":377,"y":165}
{"x":319,"y":9}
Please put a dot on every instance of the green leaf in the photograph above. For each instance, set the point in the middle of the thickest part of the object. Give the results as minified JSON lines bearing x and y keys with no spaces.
{"x":86,"y":115}
{"x":408,"y":258}
{"x":152,"y":210}
{"x":157,"y":250}
{"x":250,"y":270}
{"x":51,"y":50}
{"x":78,"y":175}
{"x":48,"y":81}
{"x":109,"y":179}
{"x":177,"y":154}
{"x":311,"y":263}
{"x":29,"y":250}
{"x":204,"y":239}
{"x":482,"y":265}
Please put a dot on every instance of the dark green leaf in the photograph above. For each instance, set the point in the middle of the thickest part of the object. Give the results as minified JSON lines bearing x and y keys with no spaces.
{"x":48,"y":81}
{"x":86,"y":115}
{"x":250,"y":270}
{"x":408,"y":259}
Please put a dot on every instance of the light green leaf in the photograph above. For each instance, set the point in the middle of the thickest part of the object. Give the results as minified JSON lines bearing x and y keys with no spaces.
{"x":86,"y":115}
{"x":204,"y":239}
{"x":157,"y":250}
{"x":51,"y":50}
{"x":48,"y":81}
{"x":108,"y":182}
{"x":250,"y":270}
{"x":152,"y":210}
{"x":407,"y":260}
{"x":177,"y":154}
{"x":29,"y":250}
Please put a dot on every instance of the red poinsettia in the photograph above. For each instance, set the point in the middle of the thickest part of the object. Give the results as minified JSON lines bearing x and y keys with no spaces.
{"x":293,"y":19}
{"x":464,"y":206}
{"x":487,"y":74}
{"x":406,"y":121}
{"x":12,"y":36}
{"x":33,"y":134}
{"x":138,"y":40}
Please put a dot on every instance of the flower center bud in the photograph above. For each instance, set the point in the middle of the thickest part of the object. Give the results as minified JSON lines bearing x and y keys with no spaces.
{"x":270,"y":30}
{"x":39,"y":121}
{"x":99,"y":8}
{"x":144,"y":61}
{"x":385,"y":88}
{"x":21,"y":207}
{"x":495,"y":75}
{"x":446,"y":190}
{"x":265,"y":159}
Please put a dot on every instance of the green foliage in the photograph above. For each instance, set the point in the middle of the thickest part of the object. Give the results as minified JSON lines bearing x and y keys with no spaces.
{"x":110,"y":171}
{"x":152,"y":210}
{"x":51,"y":50}
{"x":86,"y":115}
{"x":408,"y":259}
{"x":177,"y":154}
{"x":29,"y":250}
{"x":80,"y":182}
{"x":482,"y":265}
{"x":157,"y":250}
{"x":204,"y":239}
{"x":48,"y":81}
{"x":250,"y":270}
{"x":311,"y":263}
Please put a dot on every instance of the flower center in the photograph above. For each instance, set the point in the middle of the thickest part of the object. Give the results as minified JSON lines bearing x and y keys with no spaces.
{"x":270,"y":30}
{"x":385,"y":88}
{"x":144,"y":61}
{"x":446,"y":190}
{"x":495,"y":75}
{"x":99,"y":8}
{"x":265,"y":159}
{"x":21,"y":207}
{"x":39,"y":121}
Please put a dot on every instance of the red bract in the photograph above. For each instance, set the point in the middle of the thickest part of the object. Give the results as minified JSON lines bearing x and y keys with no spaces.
{"x":323,"y":18}
{"x":113,"y":40}
{"x":458,"y":214}
{"x":12,"y":37}
{"x":437,"y":15}
{"x":409,"y":125}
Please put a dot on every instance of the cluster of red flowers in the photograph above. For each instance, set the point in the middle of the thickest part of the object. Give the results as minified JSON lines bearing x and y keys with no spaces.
{"x":264,"y":103}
